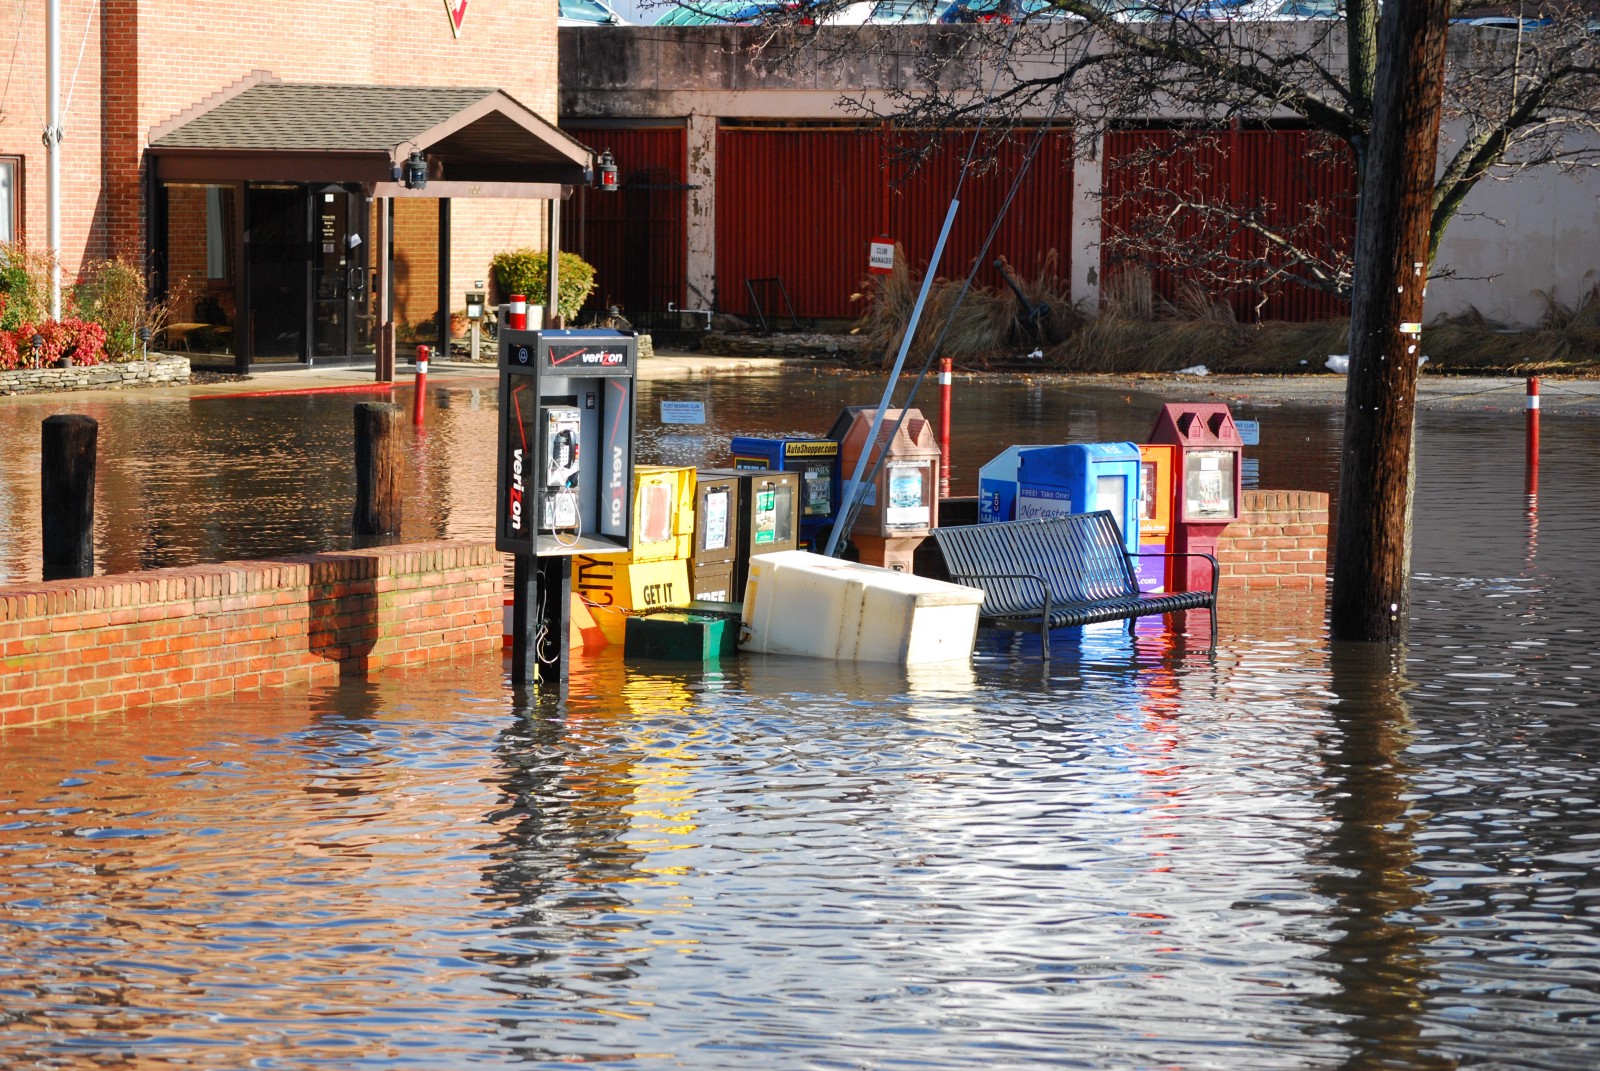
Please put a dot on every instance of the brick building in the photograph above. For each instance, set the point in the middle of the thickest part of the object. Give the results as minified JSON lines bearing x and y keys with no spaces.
{"x":247,"y":153}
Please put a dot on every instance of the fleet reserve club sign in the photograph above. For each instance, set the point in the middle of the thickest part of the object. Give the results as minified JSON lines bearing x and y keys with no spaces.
{"x":458,"y":11}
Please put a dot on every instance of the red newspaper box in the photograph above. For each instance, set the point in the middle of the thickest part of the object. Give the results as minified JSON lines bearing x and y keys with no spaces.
{"x":1206,"y":484}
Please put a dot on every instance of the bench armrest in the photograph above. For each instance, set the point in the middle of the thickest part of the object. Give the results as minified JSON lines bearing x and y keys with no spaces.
{"x":1216,"y":569}
{"x":1035,"y":577}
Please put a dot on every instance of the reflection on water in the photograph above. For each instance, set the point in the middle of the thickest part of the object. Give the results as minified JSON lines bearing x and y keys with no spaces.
{"x":1285,"y":856}
{"x":222,"y":478}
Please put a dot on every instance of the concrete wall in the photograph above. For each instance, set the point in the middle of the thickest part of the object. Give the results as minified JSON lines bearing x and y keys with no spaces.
{"x":75,"y":648}
{"x":1514,"y":239}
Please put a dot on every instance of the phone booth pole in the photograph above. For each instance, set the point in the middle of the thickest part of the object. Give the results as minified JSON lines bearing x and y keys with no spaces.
{"x":565,"y":468}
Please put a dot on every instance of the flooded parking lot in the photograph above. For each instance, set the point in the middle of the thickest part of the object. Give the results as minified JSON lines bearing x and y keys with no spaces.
{"x":1294,"y":855}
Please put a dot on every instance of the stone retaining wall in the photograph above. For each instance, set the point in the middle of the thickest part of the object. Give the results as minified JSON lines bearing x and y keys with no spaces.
{"x":156,"y":372}
{"x":1279,"y":541}
{"x":75,"y":648}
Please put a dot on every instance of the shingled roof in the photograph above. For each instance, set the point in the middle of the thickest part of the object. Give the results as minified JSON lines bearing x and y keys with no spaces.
{"x":266,"y":129}
{"x":329,"y":118}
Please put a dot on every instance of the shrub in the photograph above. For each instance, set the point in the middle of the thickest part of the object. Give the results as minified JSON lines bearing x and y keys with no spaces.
{"x":82,"y":340}
{"x":527,"y":272}
{"x":86,"y":341}
{"x":24,"y":285}
{"x":114,"y":294}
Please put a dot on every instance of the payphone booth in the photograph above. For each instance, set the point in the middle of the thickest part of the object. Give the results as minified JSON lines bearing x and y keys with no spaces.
{"x":565,"y":470}
{"x":1206,"y":483}
{"x":1155,"y":514}
{"x":899,"y":505}
{"x":817,"y":462}
{"x":767,"y":517}
{"x":1056,"y":481}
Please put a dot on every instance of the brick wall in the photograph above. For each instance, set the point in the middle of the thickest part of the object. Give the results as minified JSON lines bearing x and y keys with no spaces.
{"x":1279,"y":541}
{"x":75,"y":648}
{"x":145,"y":61}
{"x":416,"y":261}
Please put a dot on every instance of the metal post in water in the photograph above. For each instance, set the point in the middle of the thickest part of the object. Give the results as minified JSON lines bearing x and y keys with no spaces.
{"x":944,"y":427}
{"x":422,"y":386}
{"x":66,"y":495}
{"x":1533,"y":435}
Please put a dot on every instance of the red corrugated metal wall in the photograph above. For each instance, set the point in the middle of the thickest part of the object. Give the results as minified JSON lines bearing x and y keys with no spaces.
{"x":637,"y":237}
{"x":801,"y":204}
{"x":1298,"y":181}
{"x":1038,"y":223}
{"x":798,"y":205}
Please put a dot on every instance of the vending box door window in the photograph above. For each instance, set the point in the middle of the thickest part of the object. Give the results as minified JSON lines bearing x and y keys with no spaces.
{"x":1208,"y":485}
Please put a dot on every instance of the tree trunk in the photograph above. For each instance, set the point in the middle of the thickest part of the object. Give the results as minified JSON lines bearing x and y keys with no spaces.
{"x":1372,"y":551}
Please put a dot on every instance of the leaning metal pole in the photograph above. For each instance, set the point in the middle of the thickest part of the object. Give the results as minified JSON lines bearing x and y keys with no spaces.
{"x":852,"y":490}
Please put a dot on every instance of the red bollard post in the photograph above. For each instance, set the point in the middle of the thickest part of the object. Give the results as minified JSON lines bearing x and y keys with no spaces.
{"x":422,"y":386}
{"x":517,"y":313}
{"x":1533,"y":435}
{"x":944,"y":427}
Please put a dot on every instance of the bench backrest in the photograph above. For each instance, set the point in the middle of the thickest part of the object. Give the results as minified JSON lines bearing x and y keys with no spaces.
{"x":1081,"y":557}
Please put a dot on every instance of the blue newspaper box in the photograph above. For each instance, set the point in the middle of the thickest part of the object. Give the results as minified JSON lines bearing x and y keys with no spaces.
{"x":817,"y":462}
{"x":1054,"y":481}
{"x":997,"y":485}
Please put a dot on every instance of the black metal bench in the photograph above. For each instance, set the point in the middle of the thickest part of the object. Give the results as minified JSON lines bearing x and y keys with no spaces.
{"x":1054,"y":572}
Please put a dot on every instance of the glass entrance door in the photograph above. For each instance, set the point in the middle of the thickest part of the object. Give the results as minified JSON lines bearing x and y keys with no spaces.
{"x":340,"y":323}
{"x":276,"y":240}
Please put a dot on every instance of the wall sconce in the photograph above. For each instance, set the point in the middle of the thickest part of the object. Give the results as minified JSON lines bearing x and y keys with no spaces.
{"x":608,"y":172}
{"x":416,"y":171}
{"x":413,"y":174}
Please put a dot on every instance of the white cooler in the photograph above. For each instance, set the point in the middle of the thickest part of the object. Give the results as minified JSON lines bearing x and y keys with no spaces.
{"x":799,"y":603}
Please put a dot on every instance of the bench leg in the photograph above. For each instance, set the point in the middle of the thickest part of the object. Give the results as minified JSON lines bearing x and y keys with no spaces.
{"x":1044,"y":639}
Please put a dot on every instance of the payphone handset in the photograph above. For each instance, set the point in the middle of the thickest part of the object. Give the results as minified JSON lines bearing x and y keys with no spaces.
{"x":560,"y":507}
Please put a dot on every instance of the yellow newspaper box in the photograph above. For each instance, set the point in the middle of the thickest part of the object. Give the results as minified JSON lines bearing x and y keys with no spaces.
{"x":663,"y":512}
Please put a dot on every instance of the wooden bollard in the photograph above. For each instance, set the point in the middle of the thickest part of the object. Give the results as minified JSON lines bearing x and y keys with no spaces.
{"x":66,"y":495}
{"x":377,"y":469}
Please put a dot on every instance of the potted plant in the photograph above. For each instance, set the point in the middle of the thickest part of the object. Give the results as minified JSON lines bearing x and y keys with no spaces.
{"x":526,"y":271}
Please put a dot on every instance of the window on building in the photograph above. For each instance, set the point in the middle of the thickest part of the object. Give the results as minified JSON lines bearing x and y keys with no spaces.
{"x":10,"y":198}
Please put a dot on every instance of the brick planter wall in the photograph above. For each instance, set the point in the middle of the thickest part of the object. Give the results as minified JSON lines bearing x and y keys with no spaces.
{"x":1279,"y":541}
{"x":74,"y":648}
{"x":156,"y":372}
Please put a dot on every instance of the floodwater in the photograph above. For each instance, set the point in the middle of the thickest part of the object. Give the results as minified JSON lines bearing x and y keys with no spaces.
{"x":1291,"y":855}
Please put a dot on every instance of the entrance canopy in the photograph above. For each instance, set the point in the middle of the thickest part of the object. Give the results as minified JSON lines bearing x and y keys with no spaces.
{"x":476,"y":142}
